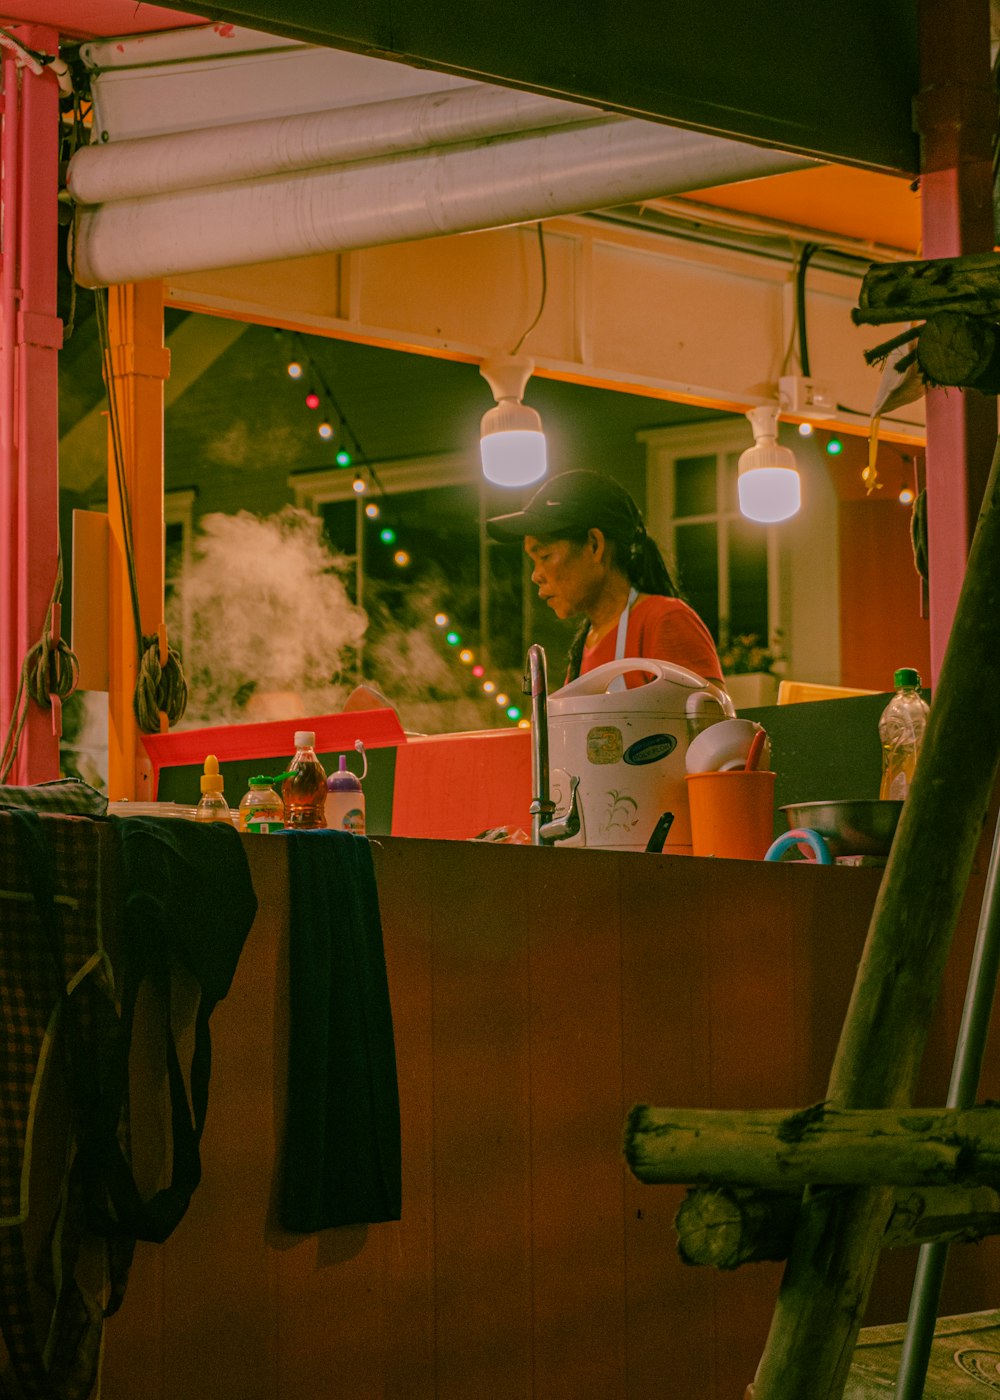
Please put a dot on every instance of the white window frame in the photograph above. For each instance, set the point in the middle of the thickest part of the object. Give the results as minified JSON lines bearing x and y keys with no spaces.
{"x":665,"y":447}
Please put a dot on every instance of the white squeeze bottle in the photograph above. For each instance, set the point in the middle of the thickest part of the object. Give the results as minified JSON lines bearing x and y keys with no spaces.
{"x":901,"y":730}
{"x":345,"y":800}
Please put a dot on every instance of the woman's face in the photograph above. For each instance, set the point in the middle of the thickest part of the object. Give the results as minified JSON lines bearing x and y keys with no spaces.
{"x":569,"y":576}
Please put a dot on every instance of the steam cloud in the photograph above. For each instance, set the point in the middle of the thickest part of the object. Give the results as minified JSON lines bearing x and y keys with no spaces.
{"x":262,"y":607}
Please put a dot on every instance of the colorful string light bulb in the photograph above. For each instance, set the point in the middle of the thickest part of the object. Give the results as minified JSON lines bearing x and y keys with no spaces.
{"x":358,"y":486}
{"x":387,"y":536}
{"x":835,"y":447}
{"x":325,"y":429}
{"x":478,"y":671}
{"x":343,"y":458}
{"x":502,"y":699}
{"x":453,"y":639}
{"x":401,"y":558}
{"x":312,"y":399}
{"x":372,"y":510}
{"x":465,"y":655}
{"x":441,"y":619}
{"x":489,"y":687}
{"x":294,"y":369}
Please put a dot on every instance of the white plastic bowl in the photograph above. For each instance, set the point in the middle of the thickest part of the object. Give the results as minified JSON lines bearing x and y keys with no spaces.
{"x":724,"y":745}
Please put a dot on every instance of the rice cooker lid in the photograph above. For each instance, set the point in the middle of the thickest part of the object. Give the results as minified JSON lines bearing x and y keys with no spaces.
{"x":673,"y":691}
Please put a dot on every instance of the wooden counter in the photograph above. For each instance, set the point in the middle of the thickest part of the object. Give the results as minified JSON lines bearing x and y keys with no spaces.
{"x":536,"y":995}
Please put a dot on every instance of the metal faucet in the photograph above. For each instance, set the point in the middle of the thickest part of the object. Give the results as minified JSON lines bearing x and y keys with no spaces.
{"x":545,"y":831}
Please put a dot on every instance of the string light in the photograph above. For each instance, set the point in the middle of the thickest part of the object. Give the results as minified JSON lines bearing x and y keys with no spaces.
{"x":805,"y":430}
{"x":360,"y":485}
{"x":524,"y":724}
{"x":835,"y":447}
{"x":906,"y":496}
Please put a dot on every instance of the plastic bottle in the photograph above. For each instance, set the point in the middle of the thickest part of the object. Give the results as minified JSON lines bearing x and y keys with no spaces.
{"x":213,"y":807}
{"x":261,"y":809}
{"x":304,"y":790}
{"x":901,"y":730}
{"x":345,"y":800}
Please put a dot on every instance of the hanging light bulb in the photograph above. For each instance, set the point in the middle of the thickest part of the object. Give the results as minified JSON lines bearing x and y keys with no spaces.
{"x":294,"y":369}
{"x":372,"y":510}
{"x":343,"y":458}
{"x":312,"y":399}
{"x":358,"y":484}
{"x":906,"y":495}
{"x":325,"y":429}
{"x":512,"y":444}
{"x":441,"y":619}
{"x":768,"y":483}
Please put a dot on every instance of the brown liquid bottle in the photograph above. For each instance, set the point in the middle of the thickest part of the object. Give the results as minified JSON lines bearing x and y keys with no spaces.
{"x":304,"y":791}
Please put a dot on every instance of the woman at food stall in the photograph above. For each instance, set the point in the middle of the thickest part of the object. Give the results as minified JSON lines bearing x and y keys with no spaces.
{"x":592,"y":556}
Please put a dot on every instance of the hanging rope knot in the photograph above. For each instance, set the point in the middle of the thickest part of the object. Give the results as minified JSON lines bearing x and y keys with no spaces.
{"x":51,"y":669}
{"x":159,"y":687}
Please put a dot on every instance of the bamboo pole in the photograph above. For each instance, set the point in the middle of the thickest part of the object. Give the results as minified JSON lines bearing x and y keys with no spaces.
{"x":832,"y":1262}
{"x":728,"y":1226}
{"x":820,"y":1146}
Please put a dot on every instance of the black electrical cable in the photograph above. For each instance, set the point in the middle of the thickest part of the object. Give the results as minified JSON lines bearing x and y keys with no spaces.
{"x":809,"y":250}
{"x":545,"y":288}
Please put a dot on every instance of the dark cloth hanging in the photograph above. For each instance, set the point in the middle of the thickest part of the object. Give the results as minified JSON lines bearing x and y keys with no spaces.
{"x":187,"y":903}
{"x":341,"y":1160}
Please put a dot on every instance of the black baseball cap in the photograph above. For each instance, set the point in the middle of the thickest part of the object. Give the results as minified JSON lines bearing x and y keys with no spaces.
{"x":570,"y":503}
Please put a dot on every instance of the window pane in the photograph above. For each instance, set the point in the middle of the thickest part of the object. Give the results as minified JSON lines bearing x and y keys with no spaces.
{"x":698,"y":571}
{"x":748,"y":580}
{"x":694,"y":486}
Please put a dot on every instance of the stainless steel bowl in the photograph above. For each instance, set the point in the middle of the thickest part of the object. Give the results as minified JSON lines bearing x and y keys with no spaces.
{"x":855,"y":827}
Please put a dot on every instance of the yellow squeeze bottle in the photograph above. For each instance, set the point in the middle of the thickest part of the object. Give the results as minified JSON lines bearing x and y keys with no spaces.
{"x":213,"y":807}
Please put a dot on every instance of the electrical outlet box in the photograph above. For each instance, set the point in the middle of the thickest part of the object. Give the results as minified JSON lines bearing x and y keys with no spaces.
{"x":806,"y":398}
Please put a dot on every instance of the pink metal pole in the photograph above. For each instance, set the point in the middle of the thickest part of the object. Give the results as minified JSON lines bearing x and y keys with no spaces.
{"x":956,"y":117}
{"x":30,"y":216}
{"x":9,"y":661}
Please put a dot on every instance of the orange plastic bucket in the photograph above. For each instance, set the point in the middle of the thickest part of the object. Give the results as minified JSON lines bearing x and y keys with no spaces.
{"x":732,"y":813}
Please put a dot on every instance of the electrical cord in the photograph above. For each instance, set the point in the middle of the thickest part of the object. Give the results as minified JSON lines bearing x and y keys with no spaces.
{"x":545,"y":288}
{"x":809,"y":251}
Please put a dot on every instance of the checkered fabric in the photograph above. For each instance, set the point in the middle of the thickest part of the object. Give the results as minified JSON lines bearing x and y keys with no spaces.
{"x":68,"y":796}
{"x":34,"y":975}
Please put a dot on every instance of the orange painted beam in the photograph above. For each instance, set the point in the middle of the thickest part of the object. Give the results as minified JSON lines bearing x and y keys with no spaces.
{"x":140,"y":363}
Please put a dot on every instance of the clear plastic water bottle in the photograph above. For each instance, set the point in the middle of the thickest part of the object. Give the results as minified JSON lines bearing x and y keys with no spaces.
{"x":304,"y":790}
{"x":262,"y":810}
{"x":213,"y":806}
{"x":901,"y":730}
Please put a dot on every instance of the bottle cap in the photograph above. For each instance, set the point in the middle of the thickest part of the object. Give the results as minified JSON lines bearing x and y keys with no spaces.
{"x":261,"y":781}
{"x":906,"y":675}
{"x":343,"y":780}
{"x":211,"y":779}
{"x":305,"y":739}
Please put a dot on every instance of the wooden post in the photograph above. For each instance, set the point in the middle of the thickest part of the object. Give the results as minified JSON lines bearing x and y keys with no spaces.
{"x":828,"y":1278}
{"x":141,"y":364}
{"x":728,"y":1226}
{"x":820,"y":1146}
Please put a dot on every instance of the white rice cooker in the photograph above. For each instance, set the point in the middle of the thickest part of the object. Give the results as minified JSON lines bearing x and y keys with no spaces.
{"x":627,"y":749}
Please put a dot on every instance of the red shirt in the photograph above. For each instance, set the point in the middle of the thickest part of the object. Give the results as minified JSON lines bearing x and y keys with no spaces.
{"x":665,"y":628}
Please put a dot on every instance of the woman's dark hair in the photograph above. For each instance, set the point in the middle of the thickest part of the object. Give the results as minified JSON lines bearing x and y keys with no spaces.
{"x":643,"y":565}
